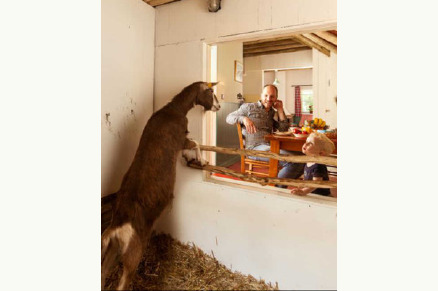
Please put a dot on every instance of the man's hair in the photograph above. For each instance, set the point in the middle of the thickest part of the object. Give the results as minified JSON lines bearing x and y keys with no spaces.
{"x":323,"y":142}
{"x":275,"y":87}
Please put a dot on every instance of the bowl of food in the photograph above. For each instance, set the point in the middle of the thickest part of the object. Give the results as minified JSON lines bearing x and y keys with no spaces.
{"x":300,"y":133}
{"x":283,"y":133}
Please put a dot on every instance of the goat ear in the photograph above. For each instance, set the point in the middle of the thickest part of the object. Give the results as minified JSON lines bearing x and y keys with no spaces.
{"x":212,"y":84}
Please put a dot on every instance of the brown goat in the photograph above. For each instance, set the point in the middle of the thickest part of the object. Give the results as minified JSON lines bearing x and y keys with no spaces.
{"x":147,"y":187}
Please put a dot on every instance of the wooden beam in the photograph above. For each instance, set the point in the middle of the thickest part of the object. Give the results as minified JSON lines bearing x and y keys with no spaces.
{"x":322,"y":42}
{"x":266,"y":180}
{"x":327,"y":36}
{"x":155,"y":3}
{"x":306,"y":41}
{"x":330,"y":161}
{"x":272,"y":43}
{"x":290,"y":38}
{"x":273,"y":48}
{"x":334,"y":32}
{"x":291,"y":69}
{"x":246,"y":55}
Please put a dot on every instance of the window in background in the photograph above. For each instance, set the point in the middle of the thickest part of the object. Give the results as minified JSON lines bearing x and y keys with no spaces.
{"x":307,"y":100}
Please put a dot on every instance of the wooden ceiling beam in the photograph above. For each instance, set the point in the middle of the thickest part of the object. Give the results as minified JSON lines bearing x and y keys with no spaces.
{"x":291,"y":69}
{"x":290,"y":38}
{"x":155,"y":3}
{"x":306,"y":41}
{"x":334,"y":32}
{"x":322,"y":42}
{"x":272,"y":48}
{"x":328,"y":36}
{"x":272,"y":43}
{"x":245,"y":55}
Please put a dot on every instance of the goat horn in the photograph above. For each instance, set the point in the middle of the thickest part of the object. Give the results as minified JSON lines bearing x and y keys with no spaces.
{"x":212,"y":84}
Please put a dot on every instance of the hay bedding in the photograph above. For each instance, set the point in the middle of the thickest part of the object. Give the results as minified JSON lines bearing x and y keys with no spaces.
{"x":171,"y":265}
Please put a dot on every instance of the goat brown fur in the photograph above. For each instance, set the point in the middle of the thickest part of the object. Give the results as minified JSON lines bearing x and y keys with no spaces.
{"x":147,"y":187}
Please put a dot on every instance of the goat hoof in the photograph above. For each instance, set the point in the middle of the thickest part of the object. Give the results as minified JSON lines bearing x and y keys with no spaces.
{"x":197,"y":163}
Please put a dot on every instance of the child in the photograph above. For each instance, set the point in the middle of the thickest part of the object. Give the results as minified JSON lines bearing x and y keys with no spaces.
{"x":317,"y":144}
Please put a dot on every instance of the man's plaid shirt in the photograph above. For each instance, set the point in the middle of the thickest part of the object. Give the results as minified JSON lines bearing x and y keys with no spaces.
{"x":264,"y":121}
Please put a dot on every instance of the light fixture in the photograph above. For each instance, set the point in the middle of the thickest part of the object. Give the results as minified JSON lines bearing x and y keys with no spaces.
{"x":276,"y":81}
{"x":214,"y":5}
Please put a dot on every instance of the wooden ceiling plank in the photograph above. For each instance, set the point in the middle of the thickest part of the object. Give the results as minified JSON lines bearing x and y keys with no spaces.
{"x":321,"y":42}
{"x":327,"y":36}
{"x":246,"y":55}
{"x":312,"y":44}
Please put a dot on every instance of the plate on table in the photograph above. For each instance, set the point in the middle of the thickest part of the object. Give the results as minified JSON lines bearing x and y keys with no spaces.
{"x":301,"y":135}
{"x":283,"y":132}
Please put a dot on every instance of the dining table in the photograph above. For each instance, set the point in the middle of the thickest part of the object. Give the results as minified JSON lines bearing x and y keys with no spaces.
{"x":286,"y":142}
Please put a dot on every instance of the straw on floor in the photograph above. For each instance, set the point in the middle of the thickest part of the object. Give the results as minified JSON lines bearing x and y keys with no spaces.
{"x":171,"y":265}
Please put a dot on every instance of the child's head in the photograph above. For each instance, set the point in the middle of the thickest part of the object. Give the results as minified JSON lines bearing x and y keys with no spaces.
{"x":318,"y":144}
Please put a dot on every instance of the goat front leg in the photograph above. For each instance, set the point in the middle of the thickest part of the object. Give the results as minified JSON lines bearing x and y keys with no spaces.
{"x":192,"y":153}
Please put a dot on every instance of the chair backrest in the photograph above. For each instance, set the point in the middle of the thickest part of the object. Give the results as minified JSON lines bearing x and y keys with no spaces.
{"x":296,"y":120}
{"x":239,"y":132}
{"x":244,"y":160}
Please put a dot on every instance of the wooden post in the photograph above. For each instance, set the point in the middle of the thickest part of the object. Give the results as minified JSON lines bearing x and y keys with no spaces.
{"x":273,"y":163}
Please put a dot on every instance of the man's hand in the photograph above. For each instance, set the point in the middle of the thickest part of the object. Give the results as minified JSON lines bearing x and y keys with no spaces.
{"x":278,"y":105}
{"x":249,"y":125}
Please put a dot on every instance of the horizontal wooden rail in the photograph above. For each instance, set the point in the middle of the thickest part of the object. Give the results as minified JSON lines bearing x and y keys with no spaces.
{"x":265,"y":180}
{"x":331,"y":161}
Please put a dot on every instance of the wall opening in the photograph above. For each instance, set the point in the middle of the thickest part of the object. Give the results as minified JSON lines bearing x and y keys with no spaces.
{"x":257,"y":71}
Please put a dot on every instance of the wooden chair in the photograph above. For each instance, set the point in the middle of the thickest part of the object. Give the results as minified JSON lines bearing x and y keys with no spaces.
{"x":252,"y":164}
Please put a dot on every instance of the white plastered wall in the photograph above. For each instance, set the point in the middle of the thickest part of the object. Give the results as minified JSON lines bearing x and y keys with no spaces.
{"x":325,"y":91}
{"x":284,"y":239}
{"x":128,"y":31}
{"x":253,"y":80}
{"x":227,"y":53}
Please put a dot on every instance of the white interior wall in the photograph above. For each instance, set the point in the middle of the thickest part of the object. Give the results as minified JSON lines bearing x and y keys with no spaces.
{"x":291,"y":240}
{"x":280,"y":239}
{"x":252,"y":88}
{"x":268,"y":77}
{"x":325,"y":87}
{"x":252,"y":79}
{"x":299,"y":77}
{"x":227,"y":53}
{"x":174,"y":72}
{"x":128,"y":30}
{"x":281,"y":87}
{"x":300,"y":59}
